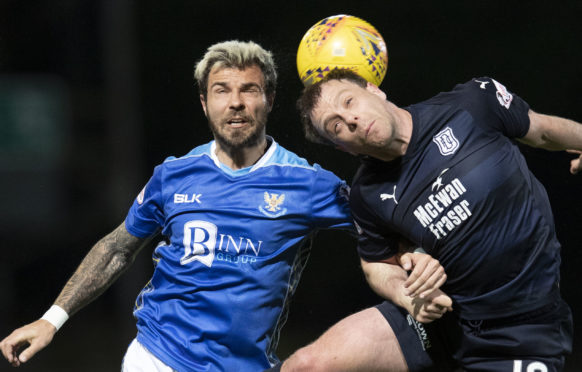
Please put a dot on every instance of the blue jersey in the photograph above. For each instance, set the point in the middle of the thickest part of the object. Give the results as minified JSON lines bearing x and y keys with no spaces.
{"x":464,"y":193}
{"x":234,"y":253}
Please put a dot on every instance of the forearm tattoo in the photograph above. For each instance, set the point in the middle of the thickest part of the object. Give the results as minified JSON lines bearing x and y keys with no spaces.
{"x":110,"y":257}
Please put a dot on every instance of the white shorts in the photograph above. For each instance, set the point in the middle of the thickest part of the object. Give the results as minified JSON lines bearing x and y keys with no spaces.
{"x":139,"y":359}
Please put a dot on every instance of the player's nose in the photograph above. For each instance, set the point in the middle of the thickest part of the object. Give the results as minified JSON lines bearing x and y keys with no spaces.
{"x":236,"y":102}
{"x":354,"y":121}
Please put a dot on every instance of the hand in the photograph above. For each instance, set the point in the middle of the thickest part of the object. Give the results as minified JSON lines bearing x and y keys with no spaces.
{"x":432,"y":307}
{"x":427,"y":274}
{"x":37,"y":335}
{"x":575,"y":164}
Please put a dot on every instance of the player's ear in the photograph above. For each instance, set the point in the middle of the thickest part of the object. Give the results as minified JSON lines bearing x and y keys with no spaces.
{"x":203,"y":103}
{"x":375,"y":90}
{"x":271,"y":100}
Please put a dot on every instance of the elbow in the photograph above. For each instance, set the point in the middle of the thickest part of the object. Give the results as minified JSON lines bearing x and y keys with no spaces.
{"x":124,"y":259}
{"x":546,"y":132}
{"x":113,"y":259}
{"x":551,"y":145}
{"x":367,"y":270}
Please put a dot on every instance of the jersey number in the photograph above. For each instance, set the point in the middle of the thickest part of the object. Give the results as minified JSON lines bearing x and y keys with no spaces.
{"x":531,"y":367}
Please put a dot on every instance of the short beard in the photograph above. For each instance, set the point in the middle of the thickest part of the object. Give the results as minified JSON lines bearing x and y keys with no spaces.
{"x":239,"y":140}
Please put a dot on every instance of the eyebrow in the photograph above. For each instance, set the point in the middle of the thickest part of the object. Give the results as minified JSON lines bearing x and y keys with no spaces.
{"x":219,"y":83}
{"x":243,"y":86}
{"x":251,"y":85}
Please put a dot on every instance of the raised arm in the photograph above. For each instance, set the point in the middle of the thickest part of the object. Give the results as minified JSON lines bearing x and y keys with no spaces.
{"x":387,"y":280}
{"x":104,"y":263}
{"x":555,"y":133}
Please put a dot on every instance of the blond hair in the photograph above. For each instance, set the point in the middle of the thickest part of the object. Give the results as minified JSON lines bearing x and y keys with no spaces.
{"x":236,"y":54}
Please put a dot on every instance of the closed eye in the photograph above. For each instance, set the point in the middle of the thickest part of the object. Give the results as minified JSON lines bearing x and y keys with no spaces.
{"x":252,"y":90}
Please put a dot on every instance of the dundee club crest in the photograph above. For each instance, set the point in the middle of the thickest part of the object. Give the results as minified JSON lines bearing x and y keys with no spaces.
{"x":446,"y":141}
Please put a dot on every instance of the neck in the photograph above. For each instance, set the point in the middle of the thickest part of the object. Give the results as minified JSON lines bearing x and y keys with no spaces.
{"x":401,"y":136}
{"x":404,"y":119}
{"x":238,"y":157}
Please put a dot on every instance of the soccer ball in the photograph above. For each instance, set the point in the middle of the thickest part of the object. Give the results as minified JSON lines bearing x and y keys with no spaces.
{"x":345,"y":42}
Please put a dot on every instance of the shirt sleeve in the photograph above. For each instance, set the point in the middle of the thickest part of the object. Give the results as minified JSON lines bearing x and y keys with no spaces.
{"x":146,"y":216}
{"x":330,"y":202}
{"x":505,"y":111}
{"x":376,"y":241}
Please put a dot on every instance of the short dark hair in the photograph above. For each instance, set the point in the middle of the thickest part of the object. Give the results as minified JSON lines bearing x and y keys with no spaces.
{"x":310,"y":97}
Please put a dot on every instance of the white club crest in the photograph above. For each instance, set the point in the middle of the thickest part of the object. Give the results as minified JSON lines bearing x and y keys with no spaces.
{"x":273,"y":202}
{"x":446,"y":141}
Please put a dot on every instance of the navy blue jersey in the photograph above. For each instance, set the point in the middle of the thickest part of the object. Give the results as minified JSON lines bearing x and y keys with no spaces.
{"x":233,"y":255}
{"x":464,"y":193}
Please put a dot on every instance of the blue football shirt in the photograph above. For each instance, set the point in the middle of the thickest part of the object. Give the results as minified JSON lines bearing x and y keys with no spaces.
{"x":464,"y":193}
{"x":234,"y":251}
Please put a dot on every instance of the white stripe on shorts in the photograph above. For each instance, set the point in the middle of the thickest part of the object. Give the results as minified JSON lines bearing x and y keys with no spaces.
{"x":139,"y":359}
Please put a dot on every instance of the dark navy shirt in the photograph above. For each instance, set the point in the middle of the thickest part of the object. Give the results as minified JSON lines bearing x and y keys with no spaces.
{"x":464,"y":193}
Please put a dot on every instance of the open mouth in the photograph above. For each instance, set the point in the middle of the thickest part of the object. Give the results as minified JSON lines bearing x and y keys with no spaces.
{"x":237,"y":122}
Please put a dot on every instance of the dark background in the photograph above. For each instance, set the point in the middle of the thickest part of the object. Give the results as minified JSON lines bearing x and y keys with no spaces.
{"x":94,"y":94}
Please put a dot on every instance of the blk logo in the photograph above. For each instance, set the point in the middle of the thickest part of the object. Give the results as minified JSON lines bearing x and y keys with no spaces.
{"x":186,"y":198}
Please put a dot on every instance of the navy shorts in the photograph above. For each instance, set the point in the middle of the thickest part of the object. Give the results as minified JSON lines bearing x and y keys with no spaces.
{"x":537,"y":341}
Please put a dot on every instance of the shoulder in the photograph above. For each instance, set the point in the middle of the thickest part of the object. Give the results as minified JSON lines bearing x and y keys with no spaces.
{"x":371,"y":175}
{"x":196,"y":154}
{"x":283,"y":158}
{"x":470,"y":91}
{"x":173,"y":165}
{"x":297,"y":167}
{"x":483,"y":97}
{"x":374,"y":171}
{"x":483,"y":90}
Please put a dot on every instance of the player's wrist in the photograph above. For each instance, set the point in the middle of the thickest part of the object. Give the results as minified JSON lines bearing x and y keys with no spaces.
{"x":56,"y":316}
